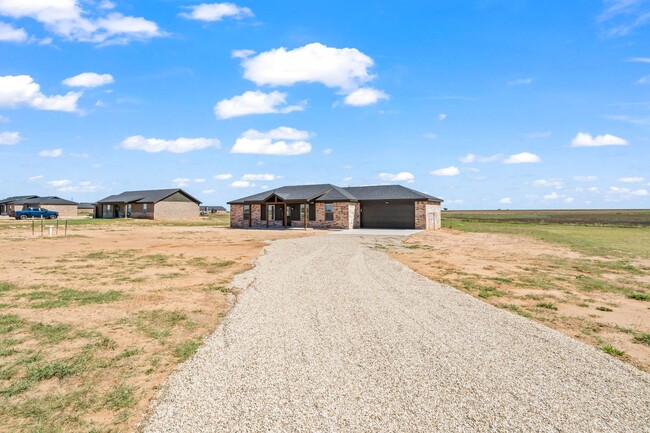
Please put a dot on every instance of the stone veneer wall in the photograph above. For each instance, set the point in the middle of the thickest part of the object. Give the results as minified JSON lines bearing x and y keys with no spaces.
{"x":427,"y":215}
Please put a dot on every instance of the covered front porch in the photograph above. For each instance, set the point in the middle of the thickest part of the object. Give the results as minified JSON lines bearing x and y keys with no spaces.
{"x":277,"y":212}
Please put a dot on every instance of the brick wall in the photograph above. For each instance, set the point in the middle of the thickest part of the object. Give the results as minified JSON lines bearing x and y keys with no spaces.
{"x":237,"y":216}
{"x":175,"y":210}
{"x":427,"y":215}
{"x":346,"y":215}
{"x":64,"y":210}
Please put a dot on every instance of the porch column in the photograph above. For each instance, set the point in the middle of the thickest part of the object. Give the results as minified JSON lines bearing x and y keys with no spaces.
{"x":267,"y":215}
{"x":285,"y":214}
{"x":305,"y":214}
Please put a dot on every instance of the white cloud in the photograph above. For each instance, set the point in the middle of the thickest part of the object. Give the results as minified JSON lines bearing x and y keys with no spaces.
{"x":345,"y":68}
{"x":181,"y":182}
{"x":505,"y":200}
{"x":9,"y":33}
{"x":62,"y":182}
{"x":470,"y":158}
{"x":365,"y":96}
{"x":568,"y":200}
{"x":403,"y":176}
{"x":9,"y":138}
{"x":54,"y":153}
{"x":209,"y":191}
{"x":629,"y":119}
{"x":643,"y":80}
{"x":217,"y":12}
{"x":442,"y":117}
{"x":584,"y":139}
{"x":241,"y":54}
{"x":4,"y":118}
{"x":347,"y":179}
{"x":242,"y":184}
{"x":593,"y":189}
{"x":89,"y":79}
{"x":448,"y":171}
{"x":79,"y":154}
{"x":254,"y":102}
{"x":35,"y":178}
{"x":585,"y":178}
{"x":223,"y":176}
{"x":537,"y":134}
{"x":328,"y":151}
{"x":555,"y":183}
{"x":520,"y":82}
{"x":22,"y":90}
{"x":631,"y":179}
{"x":199,"y":180}
{"x":68,"y":19}
{"x":523,"y":158}
{"x":626,"y":193}
{"x":552,"y":196}
{"x":280,"y":141}
{"x":84,"y":186}
{"x":639,"y":193}
{"x":639,"y":59}
{"x":261,"y":177}
{"x":179,"y":145}
{"x":430,"y":135}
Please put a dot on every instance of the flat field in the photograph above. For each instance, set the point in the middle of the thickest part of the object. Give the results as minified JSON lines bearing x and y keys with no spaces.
{"x":589,"y":280}
{"x":92,"y":324}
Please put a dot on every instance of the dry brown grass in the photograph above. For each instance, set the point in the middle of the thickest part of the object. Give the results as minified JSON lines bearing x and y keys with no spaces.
{"x":91,"y":325}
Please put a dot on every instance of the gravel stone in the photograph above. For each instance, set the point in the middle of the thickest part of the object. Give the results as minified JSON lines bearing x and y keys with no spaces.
{"x":330,"y":335}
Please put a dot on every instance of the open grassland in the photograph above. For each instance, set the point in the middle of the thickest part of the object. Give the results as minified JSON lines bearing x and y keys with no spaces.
{"x":92,"y":324}
{"x":589,"y":281}
{"x":620,"y":217}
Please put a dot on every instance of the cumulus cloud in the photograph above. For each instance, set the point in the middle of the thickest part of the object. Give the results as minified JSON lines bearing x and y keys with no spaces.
{"x":89,"y":79}
{"x":344,"y":68}
{"x":442,"y":117}
{"x":181,"y":182}
{"x":179,"y":145}
{"x":625,"y":193}
{"x":631,"y":179}
{"x":9,"y":138}
{"x":552,"y":196}
{"x":471,"y":158}
{"x":328,"y":151}
{"x":254,"y":102}
{"x":223,"y":176}
{"x":9,"y":33}
{"x":21,"y":90}
{"x":505,"y":200}
{"x":584,"y":139}
{"x":523,"y":158}
{"x":242,"y":184}
{"x":260,"y":177}
{"x":585,"y":178}
{"x":365,"y":96}
{"x":68,"y":19}
{"x":216,"y":12}
{"x":62,"y":182}
{"x":448,"y":171}
{"x":54,"y":153}
{"x":555,"y":183}
{"x":280,"y":141}
{"x":403,"y":176}
{"x":209,"y":191}
{"x":84,"y":186}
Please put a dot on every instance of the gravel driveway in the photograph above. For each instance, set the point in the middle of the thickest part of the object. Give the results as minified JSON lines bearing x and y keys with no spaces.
{"x":330,"y":335}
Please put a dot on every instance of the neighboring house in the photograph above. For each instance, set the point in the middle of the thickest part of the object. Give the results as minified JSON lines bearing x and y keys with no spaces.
{"x":168,"y":204}
{"x":330,"y":206}
{"x":10,"y":205}
{"x":65,"y":208}
{"x":213,"y":209}
{"x":86,"y":208}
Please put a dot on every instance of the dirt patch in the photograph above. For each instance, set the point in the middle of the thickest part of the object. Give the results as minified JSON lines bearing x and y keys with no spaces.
{"x":92,"y":324}
{"x":602,"y":301}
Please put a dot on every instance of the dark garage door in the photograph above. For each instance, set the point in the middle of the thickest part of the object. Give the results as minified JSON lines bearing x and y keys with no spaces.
{"x":393,"y":215}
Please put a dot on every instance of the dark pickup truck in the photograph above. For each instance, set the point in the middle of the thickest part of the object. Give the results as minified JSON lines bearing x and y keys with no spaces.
{"x":36,"y":212}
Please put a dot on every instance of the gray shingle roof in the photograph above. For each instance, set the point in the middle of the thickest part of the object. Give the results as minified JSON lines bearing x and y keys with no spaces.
{"x":144,"y":196}
{"x":16,"y":199}
{"x":53,"y":200}
{"x":328,"y":192}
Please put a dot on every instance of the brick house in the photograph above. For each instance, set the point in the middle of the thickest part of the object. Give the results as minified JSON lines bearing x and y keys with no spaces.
{"x":10,"y":205}
{"x":164,"y":204}
{"x":65,"y":208}
{"x":330,"y":206}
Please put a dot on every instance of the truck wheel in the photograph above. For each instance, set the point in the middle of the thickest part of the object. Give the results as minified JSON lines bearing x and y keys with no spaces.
{"x":23,"y":217}
{"x":52,"y":217}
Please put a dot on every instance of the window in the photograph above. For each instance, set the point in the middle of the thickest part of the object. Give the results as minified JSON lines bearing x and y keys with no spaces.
{"x":329,"y":212}
{"x":129,"y":207}
{"x":302,"y":212}
{"x":247,"y":212}
{"x":144,"y":208}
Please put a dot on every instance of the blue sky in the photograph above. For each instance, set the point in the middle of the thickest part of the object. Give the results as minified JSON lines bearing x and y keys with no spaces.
{"x":488,"y":104}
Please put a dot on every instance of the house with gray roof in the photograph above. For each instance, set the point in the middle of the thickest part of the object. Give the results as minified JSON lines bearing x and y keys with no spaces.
{"x":65,"y":208}
{"x":330,"y":206}
{"x":164,"y":204}
{"x":10,"y":205}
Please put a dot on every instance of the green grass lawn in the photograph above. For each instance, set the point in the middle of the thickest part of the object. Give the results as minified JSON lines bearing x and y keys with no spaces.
{"x":606,"y":241}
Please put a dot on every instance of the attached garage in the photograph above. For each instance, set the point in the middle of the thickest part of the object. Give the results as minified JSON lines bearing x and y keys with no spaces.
{"x":387,"y":215}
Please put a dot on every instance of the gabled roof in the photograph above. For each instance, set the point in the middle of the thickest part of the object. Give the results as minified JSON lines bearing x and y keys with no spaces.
{"x":329,"y":193}
{"x":145,"y":196}
{"x":388,"y":192}
{"x":16,"y":199}
{"x":48,"y":200}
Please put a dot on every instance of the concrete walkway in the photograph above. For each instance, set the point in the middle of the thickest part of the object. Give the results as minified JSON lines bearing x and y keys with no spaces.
{"x":329,"y":335}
